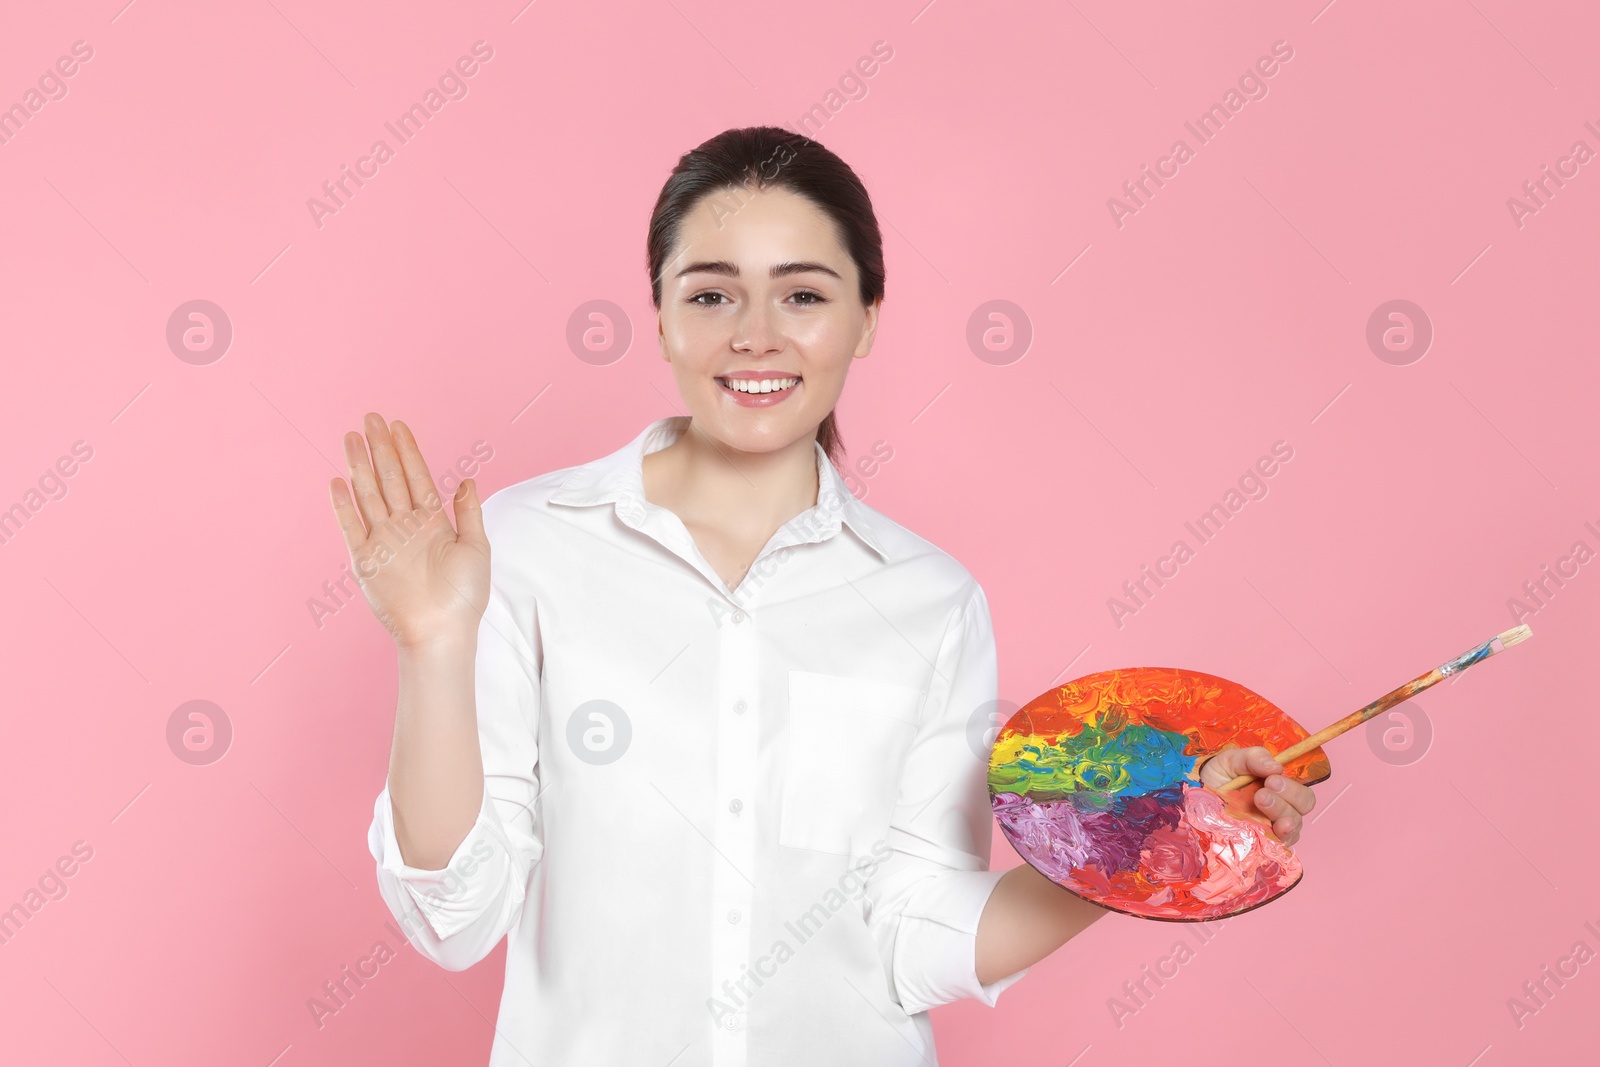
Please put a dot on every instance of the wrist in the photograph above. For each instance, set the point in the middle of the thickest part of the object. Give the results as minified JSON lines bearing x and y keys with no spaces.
{"x":442,"y":643}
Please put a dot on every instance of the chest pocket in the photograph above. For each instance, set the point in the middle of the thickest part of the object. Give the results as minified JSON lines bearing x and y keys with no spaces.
{"x":848,"y":741}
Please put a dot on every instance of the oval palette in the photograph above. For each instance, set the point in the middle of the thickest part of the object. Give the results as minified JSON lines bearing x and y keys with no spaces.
{"x":1096,"y":784}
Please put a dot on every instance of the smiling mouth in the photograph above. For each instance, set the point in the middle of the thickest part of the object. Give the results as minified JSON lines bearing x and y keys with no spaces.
{"x":758,"y":386}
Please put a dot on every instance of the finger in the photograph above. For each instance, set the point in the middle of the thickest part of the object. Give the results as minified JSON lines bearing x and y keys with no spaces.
{"x":344,"y":510}
{"x":1297,"y":796}
{"x":469,"y":514}
{"x":418,"y":480}
{"x":1285,"y":818}
{"x":1270,"y":802}
{"x":1260,"y":762}
{"x":391,"y":476}
{"x":368,"y":499}
{"x":1218,"y":767}
{"x":1232,"y":762}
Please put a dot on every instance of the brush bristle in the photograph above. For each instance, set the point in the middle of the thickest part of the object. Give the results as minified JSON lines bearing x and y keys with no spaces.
{"x":1516,"y":636}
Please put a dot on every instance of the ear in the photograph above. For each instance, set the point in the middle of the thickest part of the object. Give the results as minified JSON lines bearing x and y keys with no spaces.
{"x":869,"y":330}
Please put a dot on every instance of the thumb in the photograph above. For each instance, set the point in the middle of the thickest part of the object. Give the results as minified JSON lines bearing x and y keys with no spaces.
{"x":1233,"y":761}
{"x":469,"y":513}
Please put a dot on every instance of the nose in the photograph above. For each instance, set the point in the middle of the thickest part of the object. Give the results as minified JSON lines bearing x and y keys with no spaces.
{"x":757,"y":330}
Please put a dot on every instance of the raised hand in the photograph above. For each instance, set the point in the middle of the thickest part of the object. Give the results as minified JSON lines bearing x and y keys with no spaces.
{"x":426,"y":581}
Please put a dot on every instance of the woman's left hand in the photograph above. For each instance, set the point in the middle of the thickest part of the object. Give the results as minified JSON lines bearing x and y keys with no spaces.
{"x":1280,"y":799}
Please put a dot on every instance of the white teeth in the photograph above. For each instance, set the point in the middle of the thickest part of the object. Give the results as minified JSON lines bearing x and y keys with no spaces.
{"x":765,"y":385}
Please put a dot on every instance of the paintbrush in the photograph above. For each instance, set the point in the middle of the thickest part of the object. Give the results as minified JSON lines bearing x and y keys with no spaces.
{"x":1498,"y":643}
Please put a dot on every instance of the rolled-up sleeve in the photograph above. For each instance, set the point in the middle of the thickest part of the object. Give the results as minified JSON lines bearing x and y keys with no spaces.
{"x":456,"y":915}
{"x":924,"y":902}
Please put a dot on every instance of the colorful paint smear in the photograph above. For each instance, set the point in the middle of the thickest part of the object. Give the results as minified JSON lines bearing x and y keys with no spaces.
{"x":1096,"y":784}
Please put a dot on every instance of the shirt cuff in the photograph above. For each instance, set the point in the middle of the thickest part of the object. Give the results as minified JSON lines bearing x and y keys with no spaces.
{"x":938,"y":942}
{"x":456,"y":895}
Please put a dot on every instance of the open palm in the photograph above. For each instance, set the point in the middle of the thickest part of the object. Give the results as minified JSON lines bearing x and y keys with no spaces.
{"x":425,"y":580}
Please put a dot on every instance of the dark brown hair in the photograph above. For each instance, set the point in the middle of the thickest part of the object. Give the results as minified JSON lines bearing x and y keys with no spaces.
{"x":766,"y":157}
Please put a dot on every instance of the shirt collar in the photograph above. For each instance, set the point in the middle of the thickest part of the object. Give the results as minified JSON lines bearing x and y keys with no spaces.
{"x":619,"y":479}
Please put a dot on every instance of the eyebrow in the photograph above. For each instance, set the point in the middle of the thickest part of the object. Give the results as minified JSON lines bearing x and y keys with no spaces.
{"x":779,"y":270}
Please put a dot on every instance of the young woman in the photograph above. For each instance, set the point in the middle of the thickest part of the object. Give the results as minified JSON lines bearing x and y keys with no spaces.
{"x":697,"y":739}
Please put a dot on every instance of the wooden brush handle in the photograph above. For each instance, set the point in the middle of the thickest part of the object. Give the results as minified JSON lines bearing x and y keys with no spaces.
{"x":1495,"y":644}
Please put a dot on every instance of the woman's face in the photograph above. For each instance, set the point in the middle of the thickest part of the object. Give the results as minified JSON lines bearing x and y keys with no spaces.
{"x":760,"y":359}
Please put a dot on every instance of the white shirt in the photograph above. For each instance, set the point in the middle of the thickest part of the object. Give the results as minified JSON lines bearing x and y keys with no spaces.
{"x":684,"y":785}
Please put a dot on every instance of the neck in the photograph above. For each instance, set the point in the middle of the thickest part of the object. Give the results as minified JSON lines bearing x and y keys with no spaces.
{"x":708,"y":482}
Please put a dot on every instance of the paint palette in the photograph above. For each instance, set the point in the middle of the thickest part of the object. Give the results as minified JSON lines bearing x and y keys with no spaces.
{"x":1096,"y":784}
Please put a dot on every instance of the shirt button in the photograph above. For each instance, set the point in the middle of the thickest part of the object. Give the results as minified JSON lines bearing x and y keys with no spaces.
{"x":733,"y":1022}
{"x":736,"y":805}
{"x":738,"y":616}
{"x":739,"y":707}
{"x":733,"y":916}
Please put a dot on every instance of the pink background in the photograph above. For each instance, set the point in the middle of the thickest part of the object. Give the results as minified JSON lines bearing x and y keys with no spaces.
{"x":1228,"y":313}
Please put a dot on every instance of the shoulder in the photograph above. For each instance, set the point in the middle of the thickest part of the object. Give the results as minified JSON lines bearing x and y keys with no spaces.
{"x":524,"y":505}
{"x":933,"y":567}
{"x":530,"y":534}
